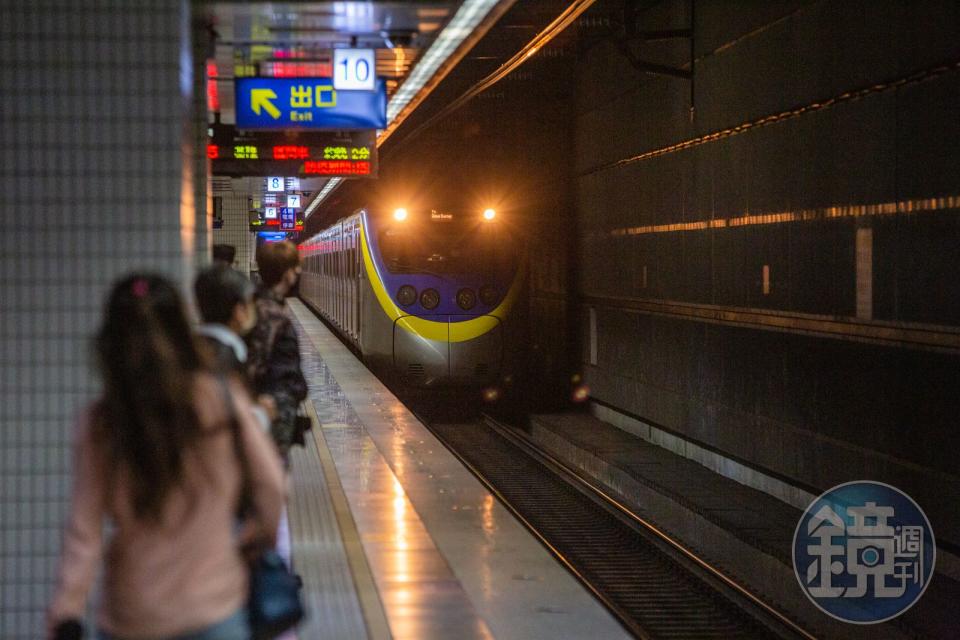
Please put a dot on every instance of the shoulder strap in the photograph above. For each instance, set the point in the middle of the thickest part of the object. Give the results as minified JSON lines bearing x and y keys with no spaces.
{"x":246,"y":489}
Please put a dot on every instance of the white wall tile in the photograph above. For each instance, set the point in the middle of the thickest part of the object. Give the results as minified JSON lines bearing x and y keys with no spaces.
{"x":92,"y":141}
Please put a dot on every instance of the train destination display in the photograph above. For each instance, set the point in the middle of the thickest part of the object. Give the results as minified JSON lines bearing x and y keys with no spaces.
{"x":306,"y":154}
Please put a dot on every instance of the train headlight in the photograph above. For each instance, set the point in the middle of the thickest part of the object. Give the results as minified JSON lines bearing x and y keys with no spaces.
{"x":406,"y":295}
{"x":466,"y":299}
{"x":429,"y":298}
{"x":489,"y":214}
{"x":400,"y":214}
{"x":488,"y":295}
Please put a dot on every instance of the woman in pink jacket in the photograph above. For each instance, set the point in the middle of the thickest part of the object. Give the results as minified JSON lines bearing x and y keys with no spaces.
{"x":157,"y":456}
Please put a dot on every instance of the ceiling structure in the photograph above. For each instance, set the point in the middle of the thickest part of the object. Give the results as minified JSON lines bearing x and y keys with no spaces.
{"x":297,"y":39}
{"x":521,"y":63}
{"x":416,"y":43}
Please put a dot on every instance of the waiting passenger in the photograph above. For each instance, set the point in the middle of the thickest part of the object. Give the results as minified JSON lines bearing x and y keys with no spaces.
{"x":159,"y":455}
{"x":227,"y":307}
{"x":224,"y":254}
{"x":226,"y":304}
{"x":273,"y":363}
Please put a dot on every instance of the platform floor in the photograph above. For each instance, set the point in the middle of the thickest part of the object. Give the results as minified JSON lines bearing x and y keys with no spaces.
{"x":395,"y":538}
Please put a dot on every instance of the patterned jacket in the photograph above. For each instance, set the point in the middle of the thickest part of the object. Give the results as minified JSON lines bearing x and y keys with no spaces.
{"x":273,"y":365}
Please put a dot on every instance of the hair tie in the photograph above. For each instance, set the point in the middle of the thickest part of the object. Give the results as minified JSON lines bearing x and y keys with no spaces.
{"x":140,"y":288}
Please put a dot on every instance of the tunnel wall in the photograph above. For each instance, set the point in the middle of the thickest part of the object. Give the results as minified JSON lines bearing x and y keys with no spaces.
{"x":844,"y":213}
{"x":97,"y":174}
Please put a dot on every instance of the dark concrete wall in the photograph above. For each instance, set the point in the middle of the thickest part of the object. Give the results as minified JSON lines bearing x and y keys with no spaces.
{"x":818,"y":410}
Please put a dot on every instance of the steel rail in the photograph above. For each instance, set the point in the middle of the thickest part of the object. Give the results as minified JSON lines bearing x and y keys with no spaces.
{"x":713,"y":609}
{"x":526,"y":443}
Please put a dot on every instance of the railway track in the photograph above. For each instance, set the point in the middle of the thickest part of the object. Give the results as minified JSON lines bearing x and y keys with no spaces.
{"x":656,"y":587}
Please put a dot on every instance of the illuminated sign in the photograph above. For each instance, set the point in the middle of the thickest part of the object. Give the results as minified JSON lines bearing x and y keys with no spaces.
{"x":275,"y":183}
{"x":298,"y":69}
{"x":270,"y":213}
{"x":293,"y":153}
{"x":288,"y":219}
{"x":336,"y":168}
{"x":272,"y":236}
{"x":439,"y":216}
{"x":308,"y":103}
{"x":354,"y":69}
{"x":293,"y":201}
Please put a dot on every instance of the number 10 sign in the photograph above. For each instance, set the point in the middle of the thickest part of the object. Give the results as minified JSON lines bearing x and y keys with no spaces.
{"x":354,"y":69}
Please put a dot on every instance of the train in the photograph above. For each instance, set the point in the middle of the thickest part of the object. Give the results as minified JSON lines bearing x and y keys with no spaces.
{"x":428,"y":296}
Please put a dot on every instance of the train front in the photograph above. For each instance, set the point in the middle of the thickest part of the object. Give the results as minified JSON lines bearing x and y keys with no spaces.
{"x":447,"y":281}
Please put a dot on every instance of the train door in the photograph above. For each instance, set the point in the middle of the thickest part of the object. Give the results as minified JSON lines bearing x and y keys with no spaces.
{"x":353,"y":285}
{"x":350,"y":282}
{"x":340,"y":322}
{"x":358,"y":279}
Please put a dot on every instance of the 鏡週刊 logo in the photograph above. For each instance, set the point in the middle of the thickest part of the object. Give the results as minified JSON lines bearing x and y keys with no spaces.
{"x":864,"y":552}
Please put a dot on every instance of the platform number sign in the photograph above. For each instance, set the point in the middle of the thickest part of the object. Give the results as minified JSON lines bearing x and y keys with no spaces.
{"x":293,"y":201}
{"x":275,"y":183}
{"x":288,"y":219}
{"x":354,"y":69}
{"x":270,"y":213}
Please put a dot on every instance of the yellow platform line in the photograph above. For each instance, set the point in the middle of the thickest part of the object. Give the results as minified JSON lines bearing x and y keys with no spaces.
{"x":374,"y":616}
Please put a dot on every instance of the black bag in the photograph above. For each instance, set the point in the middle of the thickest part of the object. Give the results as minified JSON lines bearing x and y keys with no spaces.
{"x":68,"y":630}
{"x":301,"y":425}
{"x":274,"y":603}
{"x":274,"y":597}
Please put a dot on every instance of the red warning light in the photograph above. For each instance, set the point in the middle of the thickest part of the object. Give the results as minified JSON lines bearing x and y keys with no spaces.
{"x":213,"y":151}
{"x":213,"y":94}
{"x":290,"y":152}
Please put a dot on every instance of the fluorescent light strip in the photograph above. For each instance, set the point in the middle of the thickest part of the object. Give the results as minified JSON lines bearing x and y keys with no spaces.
{"x":327,"y":188}
{"x":565,"y":19}
{"x":468,"y":16}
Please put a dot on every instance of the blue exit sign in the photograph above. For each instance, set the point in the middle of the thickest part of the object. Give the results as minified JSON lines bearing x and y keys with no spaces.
{"x":307,"y":103}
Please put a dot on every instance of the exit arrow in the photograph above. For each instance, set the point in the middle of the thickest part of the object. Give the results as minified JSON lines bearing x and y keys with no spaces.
{"x":260,"y":99}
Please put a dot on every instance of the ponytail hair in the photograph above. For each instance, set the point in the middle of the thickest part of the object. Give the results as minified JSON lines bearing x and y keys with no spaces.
{"x":147,"y":418}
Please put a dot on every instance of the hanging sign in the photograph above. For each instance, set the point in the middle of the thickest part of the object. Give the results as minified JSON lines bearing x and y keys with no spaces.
{"x":293,"y":153}
{"x":308,"y":103}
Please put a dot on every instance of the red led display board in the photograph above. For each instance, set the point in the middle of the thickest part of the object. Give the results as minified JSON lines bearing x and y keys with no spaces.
{"x":336,"y":168}
{"x":347,"y":154}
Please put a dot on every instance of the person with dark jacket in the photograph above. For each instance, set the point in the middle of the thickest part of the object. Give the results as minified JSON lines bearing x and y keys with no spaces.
{"x":225,"y":300}
{"x":273,"y":362}
{"x":224,"y":254}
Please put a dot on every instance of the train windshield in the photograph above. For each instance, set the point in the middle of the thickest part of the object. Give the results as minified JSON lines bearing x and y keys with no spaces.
{"x":446,"y":248}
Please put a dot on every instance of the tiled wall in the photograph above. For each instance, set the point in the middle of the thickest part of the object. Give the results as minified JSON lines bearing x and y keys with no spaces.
{"x":739,"y":220}
{"x":236,"y":228}
{"x":97,"y":179}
